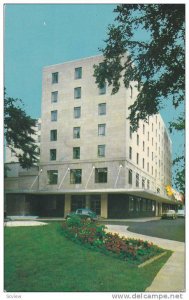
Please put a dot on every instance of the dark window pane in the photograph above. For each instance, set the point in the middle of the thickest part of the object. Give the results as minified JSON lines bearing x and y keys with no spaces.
{"x":55,"y":77}
{"x":101,"y":175}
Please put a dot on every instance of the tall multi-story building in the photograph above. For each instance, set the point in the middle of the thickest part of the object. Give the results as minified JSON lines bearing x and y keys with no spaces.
{"x":89,"y":155}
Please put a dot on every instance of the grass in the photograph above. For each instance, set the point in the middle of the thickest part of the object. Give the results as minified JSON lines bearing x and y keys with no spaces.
{"x":41,"y":259}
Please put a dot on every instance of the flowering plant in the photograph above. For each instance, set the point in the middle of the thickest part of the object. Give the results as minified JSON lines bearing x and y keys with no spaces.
{"x":94,"y":236}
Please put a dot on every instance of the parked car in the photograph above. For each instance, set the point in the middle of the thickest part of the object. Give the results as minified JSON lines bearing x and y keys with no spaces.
{"x":181,"y":213}
{"x":169,"y":214}
{"x":84,"y":213}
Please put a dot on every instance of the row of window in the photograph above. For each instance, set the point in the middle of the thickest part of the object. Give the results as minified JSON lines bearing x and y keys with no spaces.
{"x":76,"y":176}
{"x":148,"y":138}
{"x":77,"y":93}
{"x":145,"y":182}
{"x":77,"y":112}
{"x":143,"y":161}
{"x":101,"y":176}
{"x":141,"y":204}
{"x":77,"y":132}
{"x":137,"y":155}
{"x":76,"y":152}
{"x":77,"y":75}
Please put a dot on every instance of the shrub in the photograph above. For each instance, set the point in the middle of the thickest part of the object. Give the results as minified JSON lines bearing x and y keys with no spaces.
{"x":94,"y":236}
{"x":74,"y":221}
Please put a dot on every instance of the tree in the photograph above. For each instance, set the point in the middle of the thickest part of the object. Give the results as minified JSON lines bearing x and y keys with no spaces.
{"x":18,"y":131}
{"x":146,"y":45}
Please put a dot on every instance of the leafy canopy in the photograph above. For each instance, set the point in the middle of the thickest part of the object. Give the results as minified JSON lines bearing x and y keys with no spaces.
{"x":152,"y":36}
{"x":18,"y":131}
{"x":146,"y":45}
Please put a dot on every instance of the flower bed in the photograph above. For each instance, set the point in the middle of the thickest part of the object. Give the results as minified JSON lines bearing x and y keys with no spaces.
{"x":94,"y":236}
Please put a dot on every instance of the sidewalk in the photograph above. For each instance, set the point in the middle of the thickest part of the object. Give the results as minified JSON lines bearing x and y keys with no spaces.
{"x":171,"y":277}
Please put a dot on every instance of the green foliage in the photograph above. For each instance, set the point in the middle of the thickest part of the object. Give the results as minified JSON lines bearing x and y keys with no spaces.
{"x":64,"y":266}
{"x":180,"y":173}
{"x":154,"y":60}
{"x":18,"y":131}
{"x":74,"y":221}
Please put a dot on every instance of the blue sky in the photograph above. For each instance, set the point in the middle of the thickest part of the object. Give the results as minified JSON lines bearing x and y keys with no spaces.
{"x":40,"y":35}
{"x":37,"y":35}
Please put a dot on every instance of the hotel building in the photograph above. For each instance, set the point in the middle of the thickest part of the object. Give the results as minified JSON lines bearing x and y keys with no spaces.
{"x":89,"y":156}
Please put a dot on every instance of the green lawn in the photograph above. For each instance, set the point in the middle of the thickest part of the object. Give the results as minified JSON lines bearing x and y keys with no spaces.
{"x":41,"y":259}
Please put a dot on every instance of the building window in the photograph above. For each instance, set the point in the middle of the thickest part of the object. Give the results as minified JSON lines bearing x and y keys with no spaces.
{"x":54,"y":97}
{"x":137,"y":139}
{"x":143,"y":162}
{"x":77,"y":93}
{"x":78,"y":73}
{"x":144,"y":204}
{"x":143,"y":146}
{"x":55,"y":77}
{"x":54,"y":115}
{"x":76,"y":132}
{"x":101,"y":150}
{"x":148,"y":151}
{"x":96,"y":204}
{"x":148,"y":166}
{"x":101,"y":175}
{"x":152,"y":141}
{"x":76,"y":152}
{"x":152,"y":156}
{"x":137,"y":180}
{"x":143,"y":129}
{"x":53,"y":135}
{"x":148,"y":184}
{"x":152,"y":127}
{"x":137,"y":158}
{"x":52,"y":176}
{"x":102,"y":109}
{"x":75,"y":176}
{"x":131,"y":91}
{"x":131,"y":203}
{"x":149,"y":205}
{"x":102,"y":89}
{"x":130,"y":152}
{"x":148,"y":136}
{"x":101,"y":129}
{"x":130,"y":176}
{"x":130,"y":132}
{"x":143,"y":182}
{"x":137,"y":204}
{"x":52,"y":154}
{"x":77,"y":112}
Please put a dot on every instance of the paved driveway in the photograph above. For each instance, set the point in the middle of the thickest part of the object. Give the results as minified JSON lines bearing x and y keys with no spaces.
{"x":166,"y":229}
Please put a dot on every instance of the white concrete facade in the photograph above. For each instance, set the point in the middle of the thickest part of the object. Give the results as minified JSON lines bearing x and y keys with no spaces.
{"x":88,"y":155}
{"x":149,"y":157}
